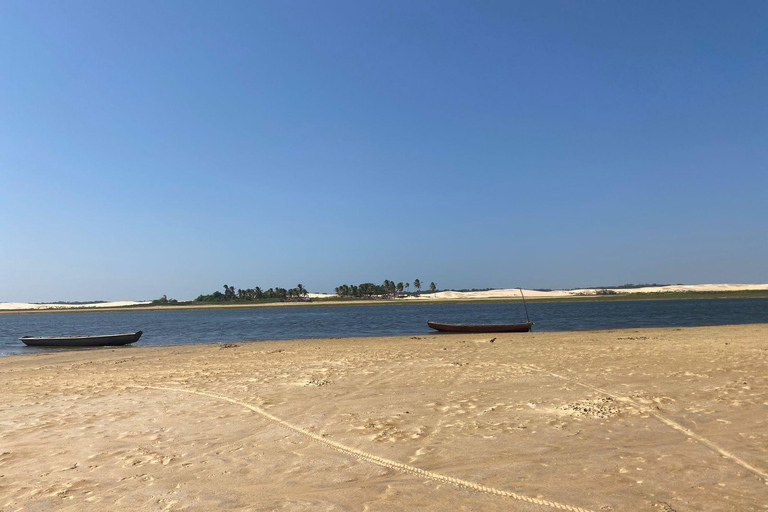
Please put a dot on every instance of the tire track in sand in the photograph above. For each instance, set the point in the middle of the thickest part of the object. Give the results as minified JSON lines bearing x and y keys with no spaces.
{"x":670,"y":423}
{"x":374,"y":459}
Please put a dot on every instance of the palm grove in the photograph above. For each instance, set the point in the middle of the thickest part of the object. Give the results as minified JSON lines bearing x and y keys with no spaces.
{"x":256,"y":293}
{"x":386,"y":289}
{"x":299,"y":293}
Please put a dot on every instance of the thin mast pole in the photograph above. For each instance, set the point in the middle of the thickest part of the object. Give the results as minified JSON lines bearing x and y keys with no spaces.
{"x":527,"y":319}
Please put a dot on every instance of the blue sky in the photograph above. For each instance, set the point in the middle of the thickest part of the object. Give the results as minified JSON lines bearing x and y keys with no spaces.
{"x":151,"y":148}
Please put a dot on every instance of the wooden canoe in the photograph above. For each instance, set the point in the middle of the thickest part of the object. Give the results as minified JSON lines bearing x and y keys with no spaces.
{"x":524,"y":327}
{"x":108,"y":340}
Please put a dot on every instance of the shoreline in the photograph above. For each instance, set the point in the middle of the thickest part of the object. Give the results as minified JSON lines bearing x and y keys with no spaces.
{"x":494,"y":295}
{"x":41,"y":351}
{"x":625,"y":297}
{"x":617,"y":419}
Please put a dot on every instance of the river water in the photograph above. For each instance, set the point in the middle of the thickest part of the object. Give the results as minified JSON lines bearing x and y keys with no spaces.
{"x":169,"y":327}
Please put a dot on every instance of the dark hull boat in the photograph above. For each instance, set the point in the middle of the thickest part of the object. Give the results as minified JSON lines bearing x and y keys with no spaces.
{"x":524,"y":327}
{"x":109,"y":340}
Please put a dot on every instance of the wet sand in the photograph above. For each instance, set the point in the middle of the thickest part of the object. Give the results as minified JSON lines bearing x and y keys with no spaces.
{"x":642,"y":419}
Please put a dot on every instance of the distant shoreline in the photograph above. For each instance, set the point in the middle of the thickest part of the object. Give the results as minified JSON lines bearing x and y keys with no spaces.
{"x":424,"y":299}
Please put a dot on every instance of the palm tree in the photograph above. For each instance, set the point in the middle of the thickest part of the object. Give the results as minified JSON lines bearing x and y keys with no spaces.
{"x":400,"y":287}
{"x":417,"y":285}
{"x":407,"y":285}
{"x":432,"y":287}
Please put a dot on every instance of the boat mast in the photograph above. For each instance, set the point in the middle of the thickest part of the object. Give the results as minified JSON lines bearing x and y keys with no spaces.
{"x":524,"y":305}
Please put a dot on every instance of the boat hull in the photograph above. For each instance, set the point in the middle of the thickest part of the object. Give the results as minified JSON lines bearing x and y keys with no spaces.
{"x":475,"y":328}
{"x":109,"y":340}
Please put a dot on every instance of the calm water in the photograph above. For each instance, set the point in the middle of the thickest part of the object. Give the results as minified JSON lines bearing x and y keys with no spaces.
{"x":227,"y":325}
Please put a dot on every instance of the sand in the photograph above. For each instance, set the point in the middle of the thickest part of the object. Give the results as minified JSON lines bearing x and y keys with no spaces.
{"x":559,"y":294}
{"x":508,"y":293}
{"x":16,"y":306}
{"x":641,"y":419}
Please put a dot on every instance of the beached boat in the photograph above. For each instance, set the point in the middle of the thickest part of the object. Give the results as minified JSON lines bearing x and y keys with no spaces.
{"x":524,"y":327}
{"x":82,"y":341}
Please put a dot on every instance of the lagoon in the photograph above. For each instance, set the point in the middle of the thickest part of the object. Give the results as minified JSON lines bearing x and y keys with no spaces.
{"x":177,"y":327}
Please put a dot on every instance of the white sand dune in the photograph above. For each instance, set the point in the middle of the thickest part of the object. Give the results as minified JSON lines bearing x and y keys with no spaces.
{"x":514,"y":292}
{"x":445,"y":295}
{"x":13,"y":306}
{"x":321,"y":295}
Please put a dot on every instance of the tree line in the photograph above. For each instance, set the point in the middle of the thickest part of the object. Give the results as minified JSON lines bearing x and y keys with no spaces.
{"x":364,"y":290}
{"x":256,"y":293}
{"x":386,"y":289}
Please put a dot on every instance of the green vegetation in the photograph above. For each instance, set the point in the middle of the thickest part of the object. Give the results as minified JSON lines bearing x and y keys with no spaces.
{"x":388,"y":289}
{"x":164,"y":301}
{"x":379,"y":297}
{"x":255,"y":294}
{"x":341,"y":301}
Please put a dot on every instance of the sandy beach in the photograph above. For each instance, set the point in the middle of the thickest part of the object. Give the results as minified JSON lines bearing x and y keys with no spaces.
{"x":641,"y":419}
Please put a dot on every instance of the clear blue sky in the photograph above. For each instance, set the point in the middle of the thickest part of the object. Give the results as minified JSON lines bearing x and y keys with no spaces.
{"x":151,"y":148}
